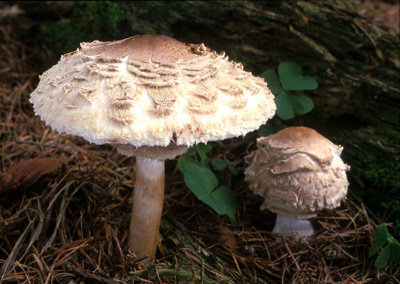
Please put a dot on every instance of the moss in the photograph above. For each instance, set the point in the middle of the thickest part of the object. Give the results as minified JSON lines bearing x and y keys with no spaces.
{"x":377,"y":168}
{"x":382,"y":184}
{"x":90,"y":20}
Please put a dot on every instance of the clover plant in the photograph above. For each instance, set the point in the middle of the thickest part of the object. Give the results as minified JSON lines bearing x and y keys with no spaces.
{"x":205,"y":184}
{"x":283,"y":83}
{"x":390,"y":248}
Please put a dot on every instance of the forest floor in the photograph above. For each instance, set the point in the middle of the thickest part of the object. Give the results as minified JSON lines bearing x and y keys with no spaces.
{"x":66,"y":221}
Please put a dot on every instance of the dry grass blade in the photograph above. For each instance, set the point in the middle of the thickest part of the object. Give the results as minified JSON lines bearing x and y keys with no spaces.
{"x":13,"y":255}
{"x":10,"y":262}
{"x":63,"y":207}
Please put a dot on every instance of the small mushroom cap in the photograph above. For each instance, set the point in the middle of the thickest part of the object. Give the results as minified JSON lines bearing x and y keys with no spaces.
{"x":299,"y":176}
{"x":299,"y":139}
{"x":151,"y":91}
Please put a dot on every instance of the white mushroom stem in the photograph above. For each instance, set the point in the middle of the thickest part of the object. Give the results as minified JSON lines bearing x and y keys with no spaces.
{"x":292,"y":225}
{"x":148,"y":198}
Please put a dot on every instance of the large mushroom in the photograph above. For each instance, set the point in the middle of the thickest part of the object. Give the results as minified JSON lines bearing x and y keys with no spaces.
{"x":151,"y":97}
{"x":299,"y":173}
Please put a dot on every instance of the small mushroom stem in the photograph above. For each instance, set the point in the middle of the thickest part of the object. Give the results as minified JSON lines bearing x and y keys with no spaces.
{"x":148,"y":198}
{"x":292,"y":225}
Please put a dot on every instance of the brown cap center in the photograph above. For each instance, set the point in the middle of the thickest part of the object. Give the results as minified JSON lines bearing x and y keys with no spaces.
{"x":158,"y":48}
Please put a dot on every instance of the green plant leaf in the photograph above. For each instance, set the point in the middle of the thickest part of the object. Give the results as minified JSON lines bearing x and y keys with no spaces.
{"x":381,"y":237}
{"x":383,"y":258}
{"x":191,"y":151}
{"x":183,"y":161}
{"x":266,"y":130}
{"x":200,"y":180}
{"x":203,"y":183}
{"x":278,"y":124}
{"x":271,"y":128}
{"x":218,"y":164}
{"x":202,"y":150}
{"x":202,"y":154}
{"x":291,"y":104}
{"x":223,"y":201}
{"x":206,"y":148}
{"x":272,"y":79}
{"x":301,"y":104}
{"x":292,"y":78}
{"x":394,"y":252}
{"x":284,"y":109}
{"x":233,"y":170}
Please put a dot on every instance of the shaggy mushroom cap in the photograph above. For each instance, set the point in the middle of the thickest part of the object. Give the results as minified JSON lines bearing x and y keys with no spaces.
{"x":151,"y":91}
{"x":298,"y":171}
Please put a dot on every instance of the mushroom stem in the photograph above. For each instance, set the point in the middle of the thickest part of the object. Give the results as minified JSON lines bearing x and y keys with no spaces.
{"x":292,"y":225}
{"x":148,"y":198}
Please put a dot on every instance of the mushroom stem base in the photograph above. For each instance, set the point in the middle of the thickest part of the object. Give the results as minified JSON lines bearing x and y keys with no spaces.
{"x":148,"y":198}
{"x":294,"y":226}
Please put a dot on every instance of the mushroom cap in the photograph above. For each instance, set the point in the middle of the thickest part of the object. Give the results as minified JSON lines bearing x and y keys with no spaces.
{"x":298,"y":139}
{"x":298,"y":172}
{"x":151,"y":90}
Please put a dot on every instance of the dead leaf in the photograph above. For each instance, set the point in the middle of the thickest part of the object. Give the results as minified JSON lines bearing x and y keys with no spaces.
{"x":227,"y":238}
{"x":22,"y":174}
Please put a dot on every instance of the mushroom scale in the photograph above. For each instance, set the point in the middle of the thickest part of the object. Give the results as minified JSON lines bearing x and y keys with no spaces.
{"x":151,"y":91}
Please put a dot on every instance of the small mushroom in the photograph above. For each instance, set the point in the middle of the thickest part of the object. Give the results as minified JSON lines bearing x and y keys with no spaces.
{"x":152,"y":97}
{"x":298,"y":172}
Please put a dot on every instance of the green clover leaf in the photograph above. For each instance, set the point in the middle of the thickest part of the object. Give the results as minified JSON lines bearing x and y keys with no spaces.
{"x":292,"y":78}
{"x":204,"y":184}
{"x":389,"y":253}
{"x":272,"y":79}
{"x":291,"y":104}
{"x":381,"y":237}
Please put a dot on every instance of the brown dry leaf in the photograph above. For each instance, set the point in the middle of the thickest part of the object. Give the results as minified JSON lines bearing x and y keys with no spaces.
{"x":227,"y":238}
{"x":25,"y":173}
